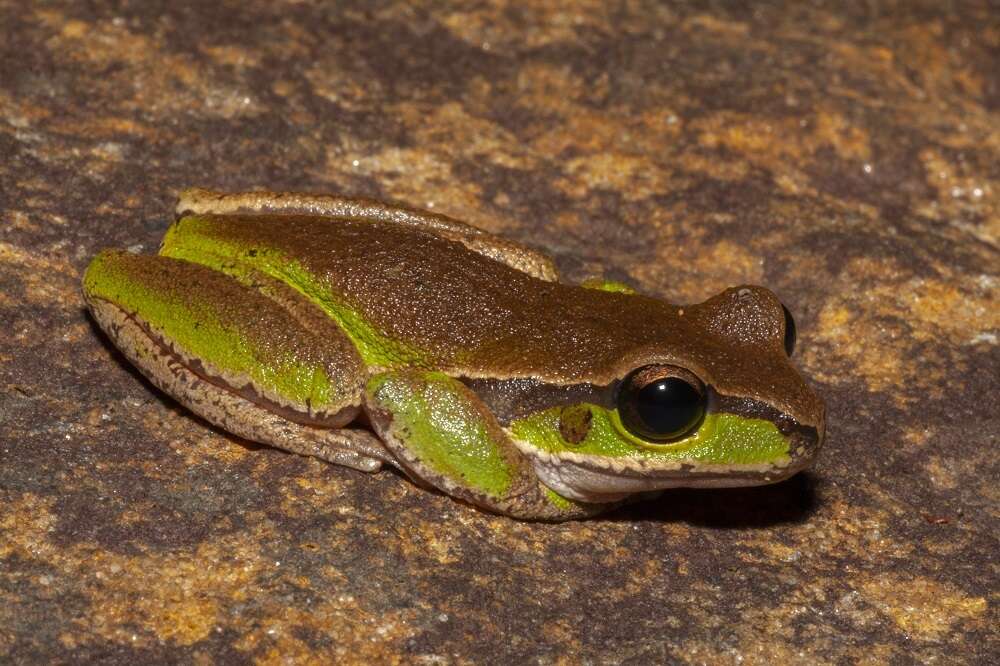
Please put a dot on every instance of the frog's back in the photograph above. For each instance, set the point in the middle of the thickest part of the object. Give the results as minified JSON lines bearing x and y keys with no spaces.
{"x":198,"y":201}
{"x":438,"y":303}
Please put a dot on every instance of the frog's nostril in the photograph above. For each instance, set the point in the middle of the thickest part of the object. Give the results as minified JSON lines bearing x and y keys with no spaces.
{"x":789,"y":331}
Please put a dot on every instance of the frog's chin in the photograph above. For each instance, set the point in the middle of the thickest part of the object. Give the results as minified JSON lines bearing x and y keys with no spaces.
{"x":600,"y":480}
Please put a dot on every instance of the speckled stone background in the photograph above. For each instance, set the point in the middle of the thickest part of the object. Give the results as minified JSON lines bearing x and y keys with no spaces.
{"x":849,"y":160}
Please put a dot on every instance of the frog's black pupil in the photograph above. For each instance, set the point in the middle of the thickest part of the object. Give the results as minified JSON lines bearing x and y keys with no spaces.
{"x":663,"y":409}
{"x":789,"y":331}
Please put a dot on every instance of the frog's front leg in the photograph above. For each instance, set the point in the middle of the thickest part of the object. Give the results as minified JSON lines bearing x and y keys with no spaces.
{"x":443,"y":436}
{"x":253,"y":359}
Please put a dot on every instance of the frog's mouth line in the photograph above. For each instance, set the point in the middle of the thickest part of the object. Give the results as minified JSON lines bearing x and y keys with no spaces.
{"x":589,"y":478}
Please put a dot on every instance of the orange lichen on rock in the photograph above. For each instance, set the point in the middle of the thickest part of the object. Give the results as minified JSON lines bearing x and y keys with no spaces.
{"x":923,"y":608}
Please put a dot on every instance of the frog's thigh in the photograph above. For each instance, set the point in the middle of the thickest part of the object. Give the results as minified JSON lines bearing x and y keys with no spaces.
{"x":352,"y":448}
{"x":190,"y":368}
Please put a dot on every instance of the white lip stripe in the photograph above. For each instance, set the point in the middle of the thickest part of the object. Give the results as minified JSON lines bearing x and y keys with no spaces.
{"x":645,"y":465}
{"x":589,"y":478}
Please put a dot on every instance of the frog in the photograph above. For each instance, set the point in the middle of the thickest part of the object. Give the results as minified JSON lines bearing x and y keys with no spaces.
{"x":369,"y":334}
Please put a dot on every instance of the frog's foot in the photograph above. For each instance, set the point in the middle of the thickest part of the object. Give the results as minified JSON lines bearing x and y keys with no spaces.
{"x":443,"y":436}
{"x":350,"y":447}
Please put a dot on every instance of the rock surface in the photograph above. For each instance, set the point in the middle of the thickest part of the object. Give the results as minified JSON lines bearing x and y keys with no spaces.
{"x":849,"y":161}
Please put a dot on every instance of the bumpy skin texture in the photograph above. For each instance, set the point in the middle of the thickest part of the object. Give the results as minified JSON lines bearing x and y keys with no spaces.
{"x":197,"y":200}
{"x":316,"y":309}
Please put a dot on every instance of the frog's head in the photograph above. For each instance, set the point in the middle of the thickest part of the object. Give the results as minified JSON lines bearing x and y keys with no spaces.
{"x":711,"y":400}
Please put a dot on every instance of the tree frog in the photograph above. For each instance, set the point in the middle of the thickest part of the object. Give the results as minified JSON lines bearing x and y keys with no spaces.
{"x":365,"y":334}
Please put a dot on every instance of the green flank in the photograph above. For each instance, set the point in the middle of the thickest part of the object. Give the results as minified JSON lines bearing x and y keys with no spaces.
{"x":192,"y":239}
{"x":607,"y":285}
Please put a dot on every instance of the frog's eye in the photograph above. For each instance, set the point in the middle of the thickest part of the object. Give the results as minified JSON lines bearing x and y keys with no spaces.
{"x":659,"y":403}
{"x":789,"y":331}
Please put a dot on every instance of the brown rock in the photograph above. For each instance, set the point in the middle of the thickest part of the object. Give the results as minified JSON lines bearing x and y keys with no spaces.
{"x":848,"y":160}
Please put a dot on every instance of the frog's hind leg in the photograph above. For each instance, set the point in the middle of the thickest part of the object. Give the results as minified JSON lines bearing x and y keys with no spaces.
{"x":188,"y":329}
{"x":201,"y":202}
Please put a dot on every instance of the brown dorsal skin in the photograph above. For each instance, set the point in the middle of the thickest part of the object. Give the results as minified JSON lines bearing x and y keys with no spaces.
{"x":481,"y":319}
{"x":201,"y":201}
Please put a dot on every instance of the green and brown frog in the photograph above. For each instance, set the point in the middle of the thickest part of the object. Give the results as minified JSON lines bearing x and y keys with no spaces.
{"x":363,"y":333}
